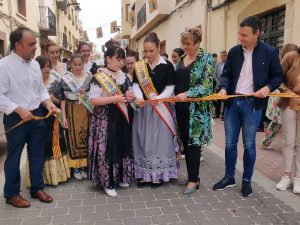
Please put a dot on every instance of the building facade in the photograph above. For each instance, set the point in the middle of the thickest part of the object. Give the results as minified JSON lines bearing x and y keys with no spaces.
{"x":218,"y":19}
{"x":51,"y":20}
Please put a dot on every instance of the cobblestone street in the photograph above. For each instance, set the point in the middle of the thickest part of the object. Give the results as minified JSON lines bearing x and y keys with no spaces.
{"x":78,"y":202}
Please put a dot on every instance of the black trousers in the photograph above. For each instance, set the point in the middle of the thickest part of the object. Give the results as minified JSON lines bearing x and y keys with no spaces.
{"x":218,"y":105}
{"x":192,"y":153}
{"x":33,"y":133}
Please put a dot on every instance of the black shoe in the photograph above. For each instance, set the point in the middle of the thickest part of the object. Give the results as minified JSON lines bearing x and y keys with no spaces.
{"x":246,"y":188}
{"x":141,"y":184}
{"x":156,"y":185}
{"x":226,"y":182}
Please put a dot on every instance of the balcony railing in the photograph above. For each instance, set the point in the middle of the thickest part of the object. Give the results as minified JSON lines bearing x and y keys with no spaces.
{"x":47,"y":22}
{"x":216,"y":4}
{"x":62,"y":4}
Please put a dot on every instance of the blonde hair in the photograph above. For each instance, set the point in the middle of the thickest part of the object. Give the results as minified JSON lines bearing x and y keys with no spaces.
{"x":193,"y":34}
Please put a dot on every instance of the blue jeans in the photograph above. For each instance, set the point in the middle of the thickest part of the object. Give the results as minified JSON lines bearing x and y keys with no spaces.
{"x":33,"y":133}
{"x":241,"y":113}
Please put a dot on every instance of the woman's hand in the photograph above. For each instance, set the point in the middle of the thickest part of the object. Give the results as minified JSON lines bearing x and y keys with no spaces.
{"x":181,"y":97}
{"x":119,"y":99}
{"x":130,"y":96}
{"x":140,"y":102}
{"x":65,"y":123}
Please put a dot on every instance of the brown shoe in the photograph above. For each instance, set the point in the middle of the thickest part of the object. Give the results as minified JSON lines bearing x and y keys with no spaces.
{"x":18,"y":201}
{"x":42,"y":196}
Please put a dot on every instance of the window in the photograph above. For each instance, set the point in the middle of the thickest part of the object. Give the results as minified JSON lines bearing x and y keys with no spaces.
{"x":273,"y":28}
{"x":127,"y":12}
{"x":141,"y":17}
{"x":21,"y":5}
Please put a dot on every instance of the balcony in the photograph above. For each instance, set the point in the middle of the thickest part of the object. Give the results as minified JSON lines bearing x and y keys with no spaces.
{"x":47,"y":22}
{"x":62,"y":4}
{"x":148,"y":16}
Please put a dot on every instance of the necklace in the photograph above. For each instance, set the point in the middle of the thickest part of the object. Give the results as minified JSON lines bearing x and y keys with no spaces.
{"x":111,"y":69}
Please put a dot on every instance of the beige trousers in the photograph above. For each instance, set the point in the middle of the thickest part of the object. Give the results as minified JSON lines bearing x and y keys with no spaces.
{"x":291,"y":141}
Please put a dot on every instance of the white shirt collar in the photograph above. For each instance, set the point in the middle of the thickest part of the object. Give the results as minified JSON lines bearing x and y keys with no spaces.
{"x":160,"y":61}
{"x":20,"y":58}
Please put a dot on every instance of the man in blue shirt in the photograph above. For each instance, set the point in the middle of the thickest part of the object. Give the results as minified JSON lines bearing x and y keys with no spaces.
{"x":252,"y":68}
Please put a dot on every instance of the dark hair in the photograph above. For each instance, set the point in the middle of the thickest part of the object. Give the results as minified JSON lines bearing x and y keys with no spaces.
{"x":131,"y":53}
{"x":50,"y":44}
{"x":152,"y":37}
{"x":179,"y":51}
{"x":81,"y":43}
{"x":42,"y":60}
{"x":111,"y":42}
{"x":65,"y":60}
{"x":214,"y":55}
{"x":77,"y":56}
{"x":299,"y":50}
{"x":253,"y":22}
{"x":114,"y":50}
{"x":17,"y":36}
{"x":164,"y":54}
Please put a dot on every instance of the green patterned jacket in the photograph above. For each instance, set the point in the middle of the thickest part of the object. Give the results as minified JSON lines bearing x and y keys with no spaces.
{"x":201,"y":85}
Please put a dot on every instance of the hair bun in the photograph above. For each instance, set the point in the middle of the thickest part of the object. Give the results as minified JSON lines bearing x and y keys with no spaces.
{"x":152,"y":34}
{"x":111,"y":42}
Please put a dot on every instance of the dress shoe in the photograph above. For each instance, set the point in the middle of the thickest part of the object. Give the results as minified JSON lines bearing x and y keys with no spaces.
{"x":141,"y":183}
{"x":18,"y":201}
{"x":42,"y":196}
{"x":188,"y":191}
{"x":156,"y":185}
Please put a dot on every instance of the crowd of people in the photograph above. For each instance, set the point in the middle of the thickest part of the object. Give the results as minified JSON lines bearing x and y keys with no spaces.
{"x":108,"y":124}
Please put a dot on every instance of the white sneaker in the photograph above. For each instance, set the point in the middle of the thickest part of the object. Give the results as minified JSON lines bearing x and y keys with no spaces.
{"x":284,"y":184}
{"x":77,"y":175}
{"x":123,"y":185}
{"x":202,"y":158}
{"x":111,"y":192}
{"x":296,"y":188}
{"x":83,"y":173}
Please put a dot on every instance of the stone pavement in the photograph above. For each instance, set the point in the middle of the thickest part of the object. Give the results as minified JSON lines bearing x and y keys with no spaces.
{"x":80,"y":202}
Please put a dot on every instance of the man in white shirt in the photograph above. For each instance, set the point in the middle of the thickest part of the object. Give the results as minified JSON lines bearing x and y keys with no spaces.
{"x":21,"y":93}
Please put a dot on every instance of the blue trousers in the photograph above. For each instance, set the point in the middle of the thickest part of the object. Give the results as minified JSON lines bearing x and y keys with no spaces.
{"x":33,"y":134}
{"x":240,"y":113}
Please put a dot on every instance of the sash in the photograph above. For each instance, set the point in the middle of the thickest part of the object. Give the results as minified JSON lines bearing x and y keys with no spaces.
{"x":111,"y":89}
{"x":161,"y":109}
{"x":54,"y":75}
{"x":75,"y":88}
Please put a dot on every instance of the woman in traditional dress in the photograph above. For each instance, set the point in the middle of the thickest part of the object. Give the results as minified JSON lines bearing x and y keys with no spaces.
{"x":56,"y":168}
{"x":154,"y":129}
{"x":194,"y":78}
{"x":110,"y":140}
{"x":75,"y":109}
{"x":131,"y":58}
{"x":57,"y":68}
{"x":85,"y":50}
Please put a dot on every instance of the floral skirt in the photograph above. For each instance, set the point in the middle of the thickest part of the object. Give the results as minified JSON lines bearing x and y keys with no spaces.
{"x":109,"y":164}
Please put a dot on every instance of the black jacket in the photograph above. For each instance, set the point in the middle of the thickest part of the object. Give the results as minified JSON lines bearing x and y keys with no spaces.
{"x":266,"y":70}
